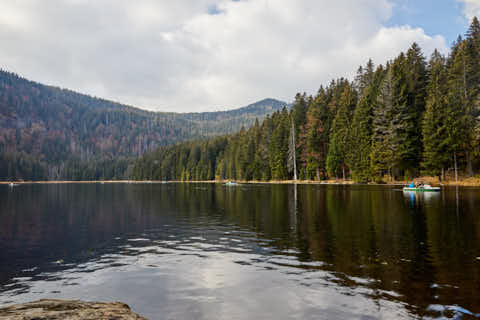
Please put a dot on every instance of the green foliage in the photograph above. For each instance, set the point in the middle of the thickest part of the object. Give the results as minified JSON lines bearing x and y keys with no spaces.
{"x":362,"y":126}
{"x":437,"y":150}
{"x":278,"y":151}
{"x":457,"y":109}
{"x":339,"y":147}
{"x":407,"y":110}
{"x":382,"y":154}
{"x":314,"y":137}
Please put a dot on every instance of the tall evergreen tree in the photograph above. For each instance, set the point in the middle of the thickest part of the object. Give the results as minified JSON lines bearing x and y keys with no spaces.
{"x":299,"y":110}
{"x":382,"y":155}
{"x":459,"y":116}
{"x":362,"y":129}
{"x":339,"y":141}
{"x":279,"y":147}
{"x":314,"y":138}
{"x":437,"y":153}
{"x":262,"y":170}
{"x":473,"y":91}
{"x":364,"y":77}
{"x":417,"y":78}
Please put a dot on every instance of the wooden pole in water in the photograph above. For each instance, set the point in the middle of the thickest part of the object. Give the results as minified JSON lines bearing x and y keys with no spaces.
{"x":294,"y":155}
{"x":456,"y":168}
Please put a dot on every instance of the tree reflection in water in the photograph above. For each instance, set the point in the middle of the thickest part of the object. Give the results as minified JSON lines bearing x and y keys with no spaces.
{"x":418,"y":251}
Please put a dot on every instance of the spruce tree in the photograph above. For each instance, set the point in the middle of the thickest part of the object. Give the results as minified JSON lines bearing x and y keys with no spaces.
{"x":362,"y":129}
{"x":459,"y":118}
{"x":382,"y":155}
{"x":339,"y":139}
{"x":473,"y":91}
{"x":364,"y":78}
{"x":417,"y":91}
{"x":314,"y":138}
{"x":409,"y":81}
{"x":299,"y":111}
{"x":437,"y":153}
{"x":279,"y":147}
{"x":262,"y":169}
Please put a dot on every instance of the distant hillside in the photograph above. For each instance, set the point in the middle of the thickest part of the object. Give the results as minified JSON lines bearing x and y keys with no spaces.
{"x":48,"y":132}
{"x":260,"y":108}
{"x":233,"y":120}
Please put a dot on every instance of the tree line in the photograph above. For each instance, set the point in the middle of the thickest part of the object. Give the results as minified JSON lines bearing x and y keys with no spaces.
{"x":399,"y":120}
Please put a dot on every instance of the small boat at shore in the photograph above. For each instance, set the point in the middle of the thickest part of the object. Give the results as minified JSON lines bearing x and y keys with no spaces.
{"x":422,"y":188}
{"x":231,"y":184}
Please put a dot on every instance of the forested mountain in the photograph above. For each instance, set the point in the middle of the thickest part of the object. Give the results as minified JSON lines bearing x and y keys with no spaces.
{"x":52,"y":133}
{"x":225,"y":122}
{"x":398,"y":120}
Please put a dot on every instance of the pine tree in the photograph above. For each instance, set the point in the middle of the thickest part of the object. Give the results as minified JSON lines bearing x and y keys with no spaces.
{"x":299,"y":110}
{"x":339,"y":142}
{"x":404,"y":143}
{"x":314,"y":138}
{"x":383,"y":150}
{"x":459,"y":120}
{"x":262,"y":170}
{"x":437,"y":151}
{"x":417,"y":92}
{"x":279,"y":147}
{"x":362,"y":129}
{"x":473,"y":91}
{"x":364,"y":78}
{"x":409,"y":81}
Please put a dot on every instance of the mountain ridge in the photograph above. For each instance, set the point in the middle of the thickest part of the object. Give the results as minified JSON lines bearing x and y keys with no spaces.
{"x":45,"y":131}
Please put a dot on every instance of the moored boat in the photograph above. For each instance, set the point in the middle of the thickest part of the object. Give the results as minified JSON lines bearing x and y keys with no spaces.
{"x":422,"y":188}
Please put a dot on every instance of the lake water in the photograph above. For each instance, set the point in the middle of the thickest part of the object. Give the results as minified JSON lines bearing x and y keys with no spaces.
{"x":209,"y":251}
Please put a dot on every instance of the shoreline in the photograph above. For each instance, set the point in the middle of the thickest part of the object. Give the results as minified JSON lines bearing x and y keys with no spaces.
{"x":468,"y":182}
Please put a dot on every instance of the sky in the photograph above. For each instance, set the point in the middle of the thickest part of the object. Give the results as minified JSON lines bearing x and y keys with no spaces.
{"x":209,"y":55}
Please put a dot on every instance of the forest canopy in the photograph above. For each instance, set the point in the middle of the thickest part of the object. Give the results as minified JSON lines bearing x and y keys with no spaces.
{"x":48,"y":133}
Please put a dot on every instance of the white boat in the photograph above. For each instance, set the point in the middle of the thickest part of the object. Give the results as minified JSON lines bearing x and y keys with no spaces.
{"x":11,"y":184}
{"x":231,"y":184}
{"x":422,"y":188}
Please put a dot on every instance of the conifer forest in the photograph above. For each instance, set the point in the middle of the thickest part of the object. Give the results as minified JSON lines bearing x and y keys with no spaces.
{"x":411,"y":116}
{"x":48,"y":133}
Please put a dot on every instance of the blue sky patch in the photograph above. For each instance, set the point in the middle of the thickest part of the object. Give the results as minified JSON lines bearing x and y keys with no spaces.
{"x":444,"y":17}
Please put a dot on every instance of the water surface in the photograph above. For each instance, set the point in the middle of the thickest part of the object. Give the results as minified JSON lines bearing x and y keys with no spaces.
{"x":208,"y":251}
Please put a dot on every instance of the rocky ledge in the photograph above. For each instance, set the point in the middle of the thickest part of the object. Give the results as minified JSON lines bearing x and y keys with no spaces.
{"x":50,"y":309}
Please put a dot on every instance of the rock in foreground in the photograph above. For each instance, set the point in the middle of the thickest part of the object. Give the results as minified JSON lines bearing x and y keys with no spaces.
{"x":50,"y":309}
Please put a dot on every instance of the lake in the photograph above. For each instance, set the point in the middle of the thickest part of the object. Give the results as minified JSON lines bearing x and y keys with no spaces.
{"x":260,"y":251}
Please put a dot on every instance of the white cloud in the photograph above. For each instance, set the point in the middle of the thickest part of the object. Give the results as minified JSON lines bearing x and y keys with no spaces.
{"x":472,"y":8}
{"x":198,"y":55}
